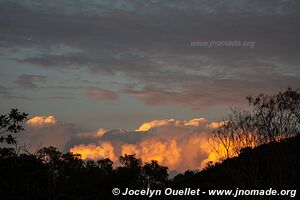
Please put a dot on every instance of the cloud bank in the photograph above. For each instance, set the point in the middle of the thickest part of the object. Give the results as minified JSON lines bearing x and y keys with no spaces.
{"x":178,"y":144}
{"x":144,"y":46}
{"x":45,"y":131}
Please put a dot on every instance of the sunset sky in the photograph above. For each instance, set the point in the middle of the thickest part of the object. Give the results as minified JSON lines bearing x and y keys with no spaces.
{"x":86,"y":67}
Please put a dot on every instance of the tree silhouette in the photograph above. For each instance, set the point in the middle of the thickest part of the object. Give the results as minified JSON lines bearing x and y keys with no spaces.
{"x":155,"y":175}
{"x":269,"y":118}
{"x":276,"y":116}
{"x":11,"y":123}
{"x":131,"y":172}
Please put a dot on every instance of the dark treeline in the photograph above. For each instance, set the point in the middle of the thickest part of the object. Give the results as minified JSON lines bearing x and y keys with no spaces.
{"x":50,"y":174}
{"x":272,"y":162}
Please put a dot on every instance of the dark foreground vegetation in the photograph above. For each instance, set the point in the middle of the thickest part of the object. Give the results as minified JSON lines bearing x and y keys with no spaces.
{"x":52,"y":175}
{"x":271,"y":161}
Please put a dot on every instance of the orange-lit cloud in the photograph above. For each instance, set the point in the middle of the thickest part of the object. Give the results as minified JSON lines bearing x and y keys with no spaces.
{"x":195,"y":122}
{"x":92,"y":134}
{"x":41,"y":120}
{"x":45,"y":131}
{"x":156,"y":123}
{"x":170,"y":122}
{"x":216,"y":124}
{"x":177,"y":144}
{"x":92,"y":151}
{"x":165,"y":152}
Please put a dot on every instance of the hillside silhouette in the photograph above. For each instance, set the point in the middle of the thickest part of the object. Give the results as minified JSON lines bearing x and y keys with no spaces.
{"x":274,"y":165}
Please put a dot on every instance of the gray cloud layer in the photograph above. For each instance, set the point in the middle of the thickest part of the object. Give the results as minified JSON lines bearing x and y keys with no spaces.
{"x":28,"y":81}
{"x":147,"y":43}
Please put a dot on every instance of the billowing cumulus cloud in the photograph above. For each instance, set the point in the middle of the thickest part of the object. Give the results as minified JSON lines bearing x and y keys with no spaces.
{"x":156,"y":123}
{"x":195,"y":122}
{"x":217,"y":124}
{"x":45,"y":131}
{"x":92,"y":151}
{"x":41,"y":121}
{"x":170,"y":122}
{"x":178,"y":144}
{"x":91,"y":134}
{"x":165,"y":152}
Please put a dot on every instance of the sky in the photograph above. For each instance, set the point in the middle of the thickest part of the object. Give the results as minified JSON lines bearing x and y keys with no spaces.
{"x":89,"y":65}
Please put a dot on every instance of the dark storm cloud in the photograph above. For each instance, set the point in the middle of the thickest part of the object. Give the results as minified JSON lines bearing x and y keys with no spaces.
{"x":148,"y":43}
